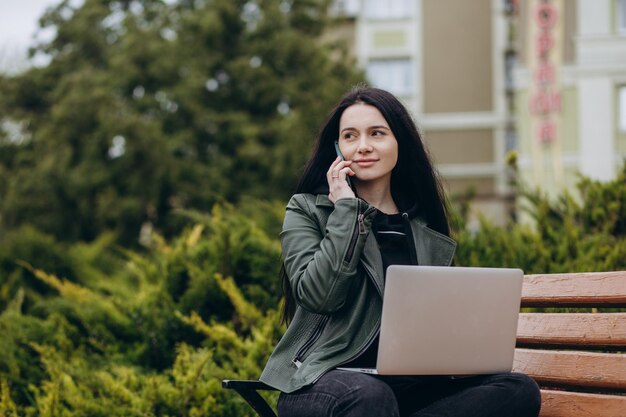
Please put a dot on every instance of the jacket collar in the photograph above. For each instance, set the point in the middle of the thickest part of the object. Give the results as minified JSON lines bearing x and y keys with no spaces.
{"x":432,"y":247}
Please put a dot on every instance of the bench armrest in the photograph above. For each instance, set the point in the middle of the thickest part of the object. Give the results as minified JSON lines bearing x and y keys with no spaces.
{"x":248,"y":390}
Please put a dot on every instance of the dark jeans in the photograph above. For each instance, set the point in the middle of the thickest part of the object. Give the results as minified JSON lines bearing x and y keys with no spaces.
{"x":352,"y":394}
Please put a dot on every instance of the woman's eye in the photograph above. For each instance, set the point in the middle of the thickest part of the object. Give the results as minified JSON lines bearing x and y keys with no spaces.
{"x":348,"y":136}
{"x":377,"y":133}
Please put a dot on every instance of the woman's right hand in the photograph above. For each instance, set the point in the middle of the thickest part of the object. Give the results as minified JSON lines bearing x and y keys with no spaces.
{"x":336,"y":177}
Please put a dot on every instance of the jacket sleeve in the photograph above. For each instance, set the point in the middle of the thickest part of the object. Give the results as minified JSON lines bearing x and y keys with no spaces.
{"x":321,"y":264}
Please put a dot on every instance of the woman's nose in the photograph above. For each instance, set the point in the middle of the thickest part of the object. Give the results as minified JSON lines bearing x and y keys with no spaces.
{"x":364,"y":145}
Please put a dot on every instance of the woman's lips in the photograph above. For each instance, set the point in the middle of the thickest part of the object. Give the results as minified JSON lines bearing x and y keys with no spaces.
{"x":364,"y":163}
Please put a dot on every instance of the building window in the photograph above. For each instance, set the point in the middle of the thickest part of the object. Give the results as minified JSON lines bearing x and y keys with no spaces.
{"x":390,"y":9}
{"x":393,"y":75}
{"x":510,"y":60}
{"x":622,"y":108}
{"x":621,"y":16}
{"x":511,"y":7}
{"x":510,"y":139}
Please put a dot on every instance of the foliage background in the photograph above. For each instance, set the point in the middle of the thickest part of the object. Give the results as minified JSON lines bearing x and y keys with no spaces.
{"x":148,"y":107}
{"x":144,"y":173}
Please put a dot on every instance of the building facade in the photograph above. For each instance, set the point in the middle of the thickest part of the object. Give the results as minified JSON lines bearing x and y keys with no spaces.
{"x":546,"y":78}
{"x":446,"y":60}
{"x":570,"y":82}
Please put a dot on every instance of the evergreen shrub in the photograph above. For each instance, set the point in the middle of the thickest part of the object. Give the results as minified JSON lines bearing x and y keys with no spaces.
{"x":92,"y":329}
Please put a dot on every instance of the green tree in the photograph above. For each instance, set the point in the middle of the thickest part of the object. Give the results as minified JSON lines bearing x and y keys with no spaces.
{"x":149,"y":106}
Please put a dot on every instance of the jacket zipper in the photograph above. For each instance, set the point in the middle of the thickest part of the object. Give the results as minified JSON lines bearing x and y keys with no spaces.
{"x":315,"y":335}
{"x":359,"y":229}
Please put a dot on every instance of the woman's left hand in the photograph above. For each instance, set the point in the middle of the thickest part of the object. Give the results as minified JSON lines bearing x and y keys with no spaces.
{"x":337,"y":184}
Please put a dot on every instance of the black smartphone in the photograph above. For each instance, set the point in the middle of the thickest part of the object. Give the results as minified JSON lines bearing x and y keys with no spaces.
{"x":340,"y":155}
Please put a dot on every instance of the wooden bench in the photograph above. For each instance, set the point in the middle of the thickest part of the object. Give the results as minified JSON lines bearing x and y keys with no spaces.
{"x":577,"y":358}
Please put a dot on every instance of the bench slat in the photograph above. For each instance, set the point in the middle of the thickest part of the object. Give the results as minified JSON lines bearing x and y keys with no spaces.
{"x":566,"y":329}
{"x":574,"y":404}
{"x":592,"y":289}
{"x":576,"y":369}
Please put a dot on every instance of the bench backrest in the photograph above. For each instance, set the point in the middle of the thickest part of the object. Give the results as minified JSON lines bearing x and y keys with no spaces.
{"x":577,"y":358}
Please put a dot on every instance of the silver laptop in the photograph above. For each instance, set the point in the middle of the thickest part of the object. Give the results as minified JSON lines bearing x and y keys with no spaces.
{"x":448,"y":321}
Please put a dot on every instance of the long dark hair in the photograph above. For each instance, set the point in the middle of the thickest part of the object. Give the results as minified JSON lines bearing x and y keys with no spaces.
{"x":414,"y":181}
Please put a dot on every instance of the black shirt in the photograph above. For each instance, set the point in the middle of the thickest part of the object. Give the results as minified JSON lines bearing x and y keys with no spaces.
{"x":392,"y":233}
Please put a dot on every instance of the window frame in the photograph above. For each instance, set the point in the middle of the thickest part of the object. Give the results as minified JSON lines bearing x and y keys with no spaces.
{"x":389,"y":10}
{"x":395,"y":69}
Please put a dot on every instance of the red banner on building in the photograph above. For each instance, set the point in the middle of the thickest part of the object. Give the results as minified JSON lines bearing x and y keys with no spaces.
{"x":545,"y":56}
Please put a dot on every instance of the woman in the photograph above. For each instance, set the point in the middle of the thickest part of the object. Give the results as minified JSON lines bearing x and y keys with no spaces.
{"x":337,"y":242}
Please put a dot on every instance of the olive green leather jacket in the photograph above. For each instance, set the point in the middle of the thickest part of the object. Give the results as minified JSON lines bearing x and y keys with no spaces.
{"x":336,"y":273}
